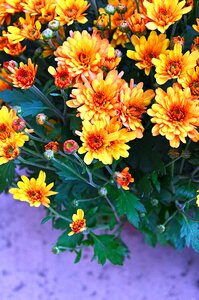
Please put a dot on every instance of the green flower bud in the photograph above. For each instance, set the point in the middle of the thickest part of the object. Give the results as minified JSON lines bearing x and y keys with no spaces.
{"x":56,"y":250}
{"x":48,"y":34}
{"x":110,"y":9}
{"x":102,"y":191}
{"x":154,"y":202}
{"x":160,"y":228}
{"x":17,"y":109}
{"x":124,"y":26}
{"x":41,"y":119}
{"x":54,"y":25}
{"x":75,"y":203}
{"x":186,"y":154}
{"x":49,"y":154}
{"x":121,"y":8}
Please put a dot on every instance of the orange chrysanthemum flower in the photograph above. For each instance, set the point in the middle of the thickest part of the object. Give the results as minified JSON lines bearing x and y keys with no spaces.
{"x":195,"y":44}
{"x":163,"y":13}
{"x":174,"y":64}
{"x":81,"y":53}
{"x":119,"y":38}
{"x":176,"y":115}
{"x":196,"y":27}
{"x":7,"y":9}
{"x":3,"y":41}
{"x":43,"y":9}
{"x":69,"y":11}
{"x":137,"y":22}
{"x":178,"y":40}
{"x":124,"y":178}
{"x":4,"y":85}
{"x":145,"y":50}
{"x":191,"y":80}
{"x":33,"y":191}
{"x":52,"y":146}
{"x":26,"y":28}
{"x":61,"y":76}
{"x":134,"y":102}
{"x":111,"y":60}
{"x":23,"y":77}
{"x":97,"y":98}
{"x":8,"y":151}
{"x":79,"y":223}
{"x":7,"y":117}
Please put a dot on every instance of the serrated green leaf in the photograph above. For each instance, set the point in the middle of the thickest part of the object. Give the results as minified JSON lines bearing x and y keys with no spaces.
{"x":128,"y":204}
{"x":108,"y":247}
{"x":190,"y":232}
{"x":68,"y":170}
{"x":7,"y":172}
{"x":71,"y":242}
{"x":30,"y":104}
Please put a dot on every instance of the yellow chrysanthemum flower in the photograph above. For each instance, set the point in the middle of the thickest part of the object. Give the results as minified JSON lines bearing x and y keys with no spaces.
{"x":79,"y":223}
{"x":69,"y":11}
{"x":145,"y":50}
{"x":8,"y":150}
{"x":134,"y":102}
{"x":26,"y":28}
{"x":174,"y":64}
{"x":34,"y":191}
{"x":176,"y":115}
{"x":81,"y":53}
{"x":6,"y":130}
{"x":163,"y":13}
{"x":97,"y":98}
{"x":197,"y":199}
{"x":191,"y":80}
{"x":43,"y":9}
{"x":196,"y":27}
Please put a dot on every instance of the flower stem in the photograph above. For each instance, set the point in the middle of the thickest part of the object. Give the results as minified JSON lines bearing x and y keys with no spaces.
{"x":113,"y":208}
{"x":58,"y":214}
{"x":94,"y":5}
{"x":29,"y":163}
{"x":32,"y":152}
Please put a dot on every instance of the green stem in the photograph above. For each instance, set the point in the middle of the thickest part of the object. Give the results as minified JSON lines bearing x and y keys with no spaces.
{"x":34,"y":164}
{"x":94,"y":5}
{"x":173,"y":161}
{"x":113,"y":209}
{"x":46,"y":101}
{"x":170,"y":218}
{"x":32,"y":152}
{"x":137,"y":5}
{"x":59,"y":215}
{"x":89,"y":199}
{"x":173,"y":30}
{"x":183,"y":161}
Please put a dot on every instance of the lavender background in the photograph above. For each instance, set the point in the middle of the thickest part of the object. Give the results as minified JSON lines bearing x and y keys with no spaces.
{"x":29,"y":270}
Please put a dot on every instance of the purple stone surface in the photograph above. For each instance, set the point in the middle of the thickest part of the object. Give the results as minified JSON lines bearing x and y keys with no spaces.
{"x":29,"y":270}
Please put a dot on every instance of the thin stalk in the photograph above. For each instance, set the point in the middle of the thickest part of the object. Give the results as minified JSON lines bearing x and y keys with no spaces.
{"x":173,"y":30}
{"x":170,"y":218}
{"x":59,"y":215}
{"x":113,"y":209}
{"x":32,"y":152}
{"x":29,"y":163}
{"x":89,"y":199}
{"x":46,"y":101}
{"x":94,"y":5}
{"x":183,"y":161}
{"x":65,"y":98}
{"x":109,"y":170}
{"x":173,"y":161}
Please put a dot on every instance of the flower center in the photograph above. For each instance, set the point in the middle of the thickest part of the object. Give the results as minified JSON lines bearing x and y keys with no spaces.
{"x":71,"y":12}
{"x":148,"y":57}
{"x":34,"y":195}
{"x":177,"y":114}
{"x":78,"y":225}
{"x":174,"y":68}
{"x":4,"y":132}
{"x":99,"y":98}
{"x":135,"y":111}
{"x":95,"y":141}
{"x":194,"y":87}
{"x":84,"y":59}
{"x":164,"y":16}
{"x":10,"y":152}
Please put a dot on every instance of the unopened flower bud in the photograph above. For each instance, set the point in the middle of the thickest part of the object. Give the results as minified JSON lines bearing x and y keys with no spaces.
{"x":160,"y":228}
{"x":10,"y":63}
{"x":154,"y":202}
{"x":110,"y":9}
{"x":118,"y":53}
{"x":41,"y":119}
{"x":124,"y":26}
{"x":173,"y":153}
{"x":102,"y":191}
{"x":48,"y":34}
{"x":186,"y":154}
{"x":55,"y":250}
{"x":49,"y":154}
{"x":52,"y":146}
{"x":18,"y":124}
{"x":121,"y":8}
{"x":17,"y":109}
{"x":54,"y":25}
{"x":142,"y":215}
{"x":75,"y":203}
{"x":70,"y":146}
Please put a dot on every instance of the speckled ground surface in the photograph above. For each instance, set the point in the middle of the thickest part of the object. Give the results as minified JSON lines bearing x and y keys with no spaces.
{"x":29,"y":271}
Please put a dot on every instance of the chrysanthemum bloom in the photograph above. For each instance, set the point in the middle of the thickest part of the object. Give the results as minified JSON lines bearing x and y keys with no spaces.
{"x":14,"y":49}
{"x":196,"y":27}
{"x":197,"y":199}
{"x":4,"y":85}
{"x":119,"y":38}
{"x":134,"y":102}
{"x":118,"y":148}
{"x":191,"y":80}
{"x":97,"y":98}
{"x":69,"y":11}
{"x":145,"y":50}
{"x":195,"y":44}
{"x":79,"y":223}
{"x":176,"y":115}
{"x":52,"y":146}
{"x":6,"y":129}
{"x":3,"y":41}
{"x":111,"y":60}
{"x":8,"y":150}
{"x":34,"y":191}
{"x":174,"y":64}
{"x":26,"y":28}
{"x":43,"y":9}
{"x":137,"y":22}
{"x":178,"y":40}
{"x":163,"y":13}
{"x":96,"y":139}
{"x":70,"y":146}
{"x":124,"y":9}
{"x":7,"y":9}
{"x":61,"y":76}
{"x":81,"y":53}
{"x":23,"y":77}
{"x":124,"y":178}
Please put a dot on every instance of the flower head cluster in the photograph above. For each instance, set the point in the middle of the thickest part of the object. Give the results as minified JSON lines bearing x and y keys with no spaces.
{"x":34,"y":191}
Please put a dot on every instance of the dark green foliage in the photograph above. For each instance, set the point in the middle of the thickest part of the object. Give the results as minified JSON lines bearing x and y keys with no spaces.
{"x":7,"y":173}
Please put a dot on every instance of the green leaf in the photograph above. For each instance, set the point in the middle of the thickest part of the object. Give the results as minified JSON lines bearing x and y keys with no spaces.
{"x":190,"y":232}
{"x":7,"y":172}
{"x":78,"y":257}
{"x":144,"y":185}
{"x":69,"y":171}
{"x":127,"y":203}
{"x":27,"y":100}
{"x":108,"y":247}
{"x":71,"y":242}
{"x":46,"y":219}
